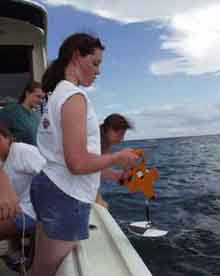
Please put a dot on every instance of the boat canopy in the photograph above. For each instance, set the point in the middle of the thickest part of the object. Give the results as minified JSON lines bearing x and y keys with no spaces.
{"x":23,"y":10}
{"x":23,"y":41}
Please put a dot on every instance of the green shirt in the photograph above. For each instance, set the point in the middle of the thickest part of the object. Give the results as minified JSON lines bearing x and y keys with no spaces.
{"x":22,"y":122}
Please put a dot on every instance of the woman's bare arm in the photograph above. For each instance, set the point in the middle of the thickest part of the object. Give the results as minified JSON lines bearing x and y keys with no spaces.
{"x":78,"y":159}
{"x":9,"y":202}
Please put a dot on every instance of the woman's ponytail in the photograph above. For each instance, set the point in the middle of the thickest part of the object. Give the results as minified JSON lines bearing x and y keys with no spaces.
{"x":52,"y":76}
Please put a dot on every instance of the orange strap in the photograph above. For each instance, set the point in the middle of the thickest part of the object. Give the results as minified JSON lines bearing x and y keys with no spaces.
{"x":142,"y":179}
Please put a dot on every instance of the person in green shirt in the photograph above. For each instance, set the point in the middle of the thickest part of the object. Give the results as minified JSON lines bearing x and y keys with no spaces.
{"x":20,"y":117}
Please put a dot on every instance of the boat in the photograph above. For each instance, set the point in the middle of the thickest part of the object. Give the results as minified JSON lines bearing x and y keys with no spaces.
{"x":107,"y":251}
{"x":23,"y":54}
{"x":23,"y":33}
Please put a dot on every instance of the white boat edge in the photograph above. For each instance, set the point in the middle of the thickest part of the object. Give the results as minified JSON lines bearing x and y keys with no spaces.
{"x":107,"y":251}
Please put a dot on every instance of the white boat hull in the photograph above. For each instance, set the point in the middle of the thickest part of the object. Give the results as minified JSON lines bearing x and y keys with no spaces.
{"x":107,"y":252}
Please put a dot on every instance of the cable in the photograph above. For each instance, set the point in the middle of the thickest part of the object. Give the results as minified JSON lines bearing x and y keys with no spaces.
{"x":22,"y":260}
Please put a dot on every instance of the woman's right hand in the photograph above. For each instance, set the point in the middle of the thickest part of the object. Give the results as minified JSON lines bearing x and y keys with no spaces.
{"x":9,"y":205}
{"x":9,"y":202}
{"x":126,"y":158}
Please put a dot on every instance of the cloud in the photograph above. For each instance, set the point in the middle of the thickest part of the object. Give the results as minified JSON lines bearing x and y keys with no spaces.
{"x":128,"y":11}
{"x":91,"y":88}
{"x":113,"y":106}
{"x":194,"y":38}
{"x":174,"y":121}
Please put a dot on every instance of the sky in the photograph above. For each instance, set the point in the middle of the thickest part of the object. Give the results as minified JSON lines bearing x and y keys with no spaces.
{"x":161,"y":65}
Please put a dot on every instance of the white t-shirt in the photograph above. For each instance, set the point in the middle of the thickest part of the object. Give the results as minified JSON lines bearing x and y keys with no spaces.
{"x":23,"y":162}
{"x":50,"y":143}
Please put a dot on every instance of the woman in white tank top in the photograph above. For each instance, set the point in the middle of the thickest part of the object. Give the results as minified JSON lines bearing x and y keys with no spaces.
{"x":69,"y":140}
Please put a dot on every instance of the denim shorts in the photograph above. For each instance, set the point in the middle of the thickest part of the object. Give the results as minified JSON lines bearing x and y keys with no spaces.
{"x":21,"y":220}
{"x":63,"y":217}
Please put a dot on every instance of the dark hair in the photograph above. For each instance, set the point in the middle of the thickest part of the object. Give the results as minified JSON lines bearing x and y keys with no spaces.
{"x":116,"y":122}
{"x":4,"y":131}
{"x":30,"y":88}
{"x":84,"y":43}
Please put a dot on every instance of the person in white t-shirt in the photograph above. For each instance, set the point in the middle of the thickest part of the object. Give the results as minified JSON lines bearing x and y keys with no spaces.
{"x":69,"y":139}
{"x":20,"y":162}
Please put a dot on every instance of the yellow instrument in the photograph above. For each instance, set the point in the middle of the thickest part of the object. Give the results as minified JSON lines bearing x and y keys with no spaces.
{"x":142,"y":179}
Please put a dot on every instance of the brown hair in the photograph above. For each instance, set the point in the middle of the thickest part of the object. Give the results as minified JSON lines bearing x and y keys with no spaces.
{"x":116,"y":122}
{"x":84,"y":43}
{"x":4,"y":131}
{"x":30,"y":88}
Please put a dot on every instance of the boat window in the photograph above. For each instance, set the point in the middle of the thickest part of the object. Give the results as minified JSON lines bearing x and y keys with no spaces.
{"x":15,"y":70}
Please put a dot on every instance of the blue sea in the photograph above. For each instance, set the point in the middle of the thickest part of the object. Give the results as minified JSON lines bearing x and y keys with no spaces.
{"x":187,"y":205}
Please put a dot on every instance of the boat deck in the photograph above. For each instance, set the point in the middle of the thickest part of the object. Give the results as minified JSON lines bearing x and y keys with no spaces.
{"x":107,"y":252}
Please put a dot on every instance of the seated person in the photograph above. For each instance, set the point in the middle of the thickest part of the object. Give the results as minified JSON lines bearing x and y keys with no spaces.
{"x":112,"y":131}
{"x":20,"y":162}
{"x":20,"y":118}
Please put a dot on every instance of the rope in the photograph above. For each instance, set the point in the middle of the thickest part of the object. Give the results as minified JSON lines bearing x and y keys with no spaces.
{"x":22,"y":260}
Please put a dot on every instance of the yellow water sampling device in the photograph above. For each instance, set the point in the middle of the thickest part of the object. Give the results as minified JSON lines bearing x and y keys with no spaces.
{"x":142,"y":179}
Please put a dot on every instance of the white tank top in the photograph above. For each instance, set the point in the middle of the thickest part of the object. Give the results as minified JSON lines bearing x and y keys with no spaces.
{"x":49,"y":140}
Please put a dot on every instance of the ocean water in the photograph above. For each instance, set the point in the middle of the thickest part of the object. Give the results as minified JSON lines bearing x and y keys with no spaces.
{"x":187,"y":205}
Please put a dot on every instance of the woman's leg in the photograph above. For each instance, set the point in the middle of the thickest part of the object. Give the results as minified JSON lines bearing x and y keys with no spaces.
{"x":49,"y":254}
{"x":8,"y":230}
{"x":100,"y":200}
{"x":63,"y":221}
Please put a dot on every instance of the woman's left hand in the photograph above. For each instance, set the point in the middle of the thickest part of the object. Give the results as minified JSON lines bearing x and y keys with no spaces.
{"x":125,"y":177}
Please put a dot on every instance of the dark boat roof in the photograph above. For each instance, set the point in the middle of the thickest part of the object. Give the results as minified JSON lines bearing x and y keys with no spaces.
{"x":25,"y":11}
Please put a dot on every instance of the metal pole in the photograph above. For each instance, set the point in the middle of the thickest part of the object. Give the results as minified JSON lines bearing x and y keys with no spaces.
{"x":147,"y":210}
